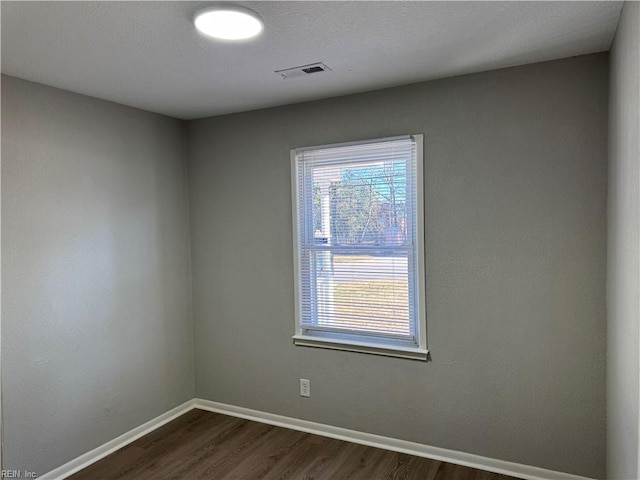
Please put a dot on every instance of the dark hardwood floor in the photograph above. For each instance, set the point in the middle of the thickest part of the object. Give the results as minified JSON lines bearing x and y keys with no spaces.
{"x":205,"y":445}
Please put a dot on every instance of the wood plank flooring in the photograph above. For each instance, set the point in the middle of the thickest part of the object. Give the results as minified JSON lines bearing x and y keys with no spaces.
{"x":205,"y":445}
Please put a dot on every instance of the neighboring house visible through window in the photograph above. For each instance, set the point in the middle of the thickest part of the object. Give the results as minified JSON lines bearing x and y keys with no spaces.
{"x":359,"y":247}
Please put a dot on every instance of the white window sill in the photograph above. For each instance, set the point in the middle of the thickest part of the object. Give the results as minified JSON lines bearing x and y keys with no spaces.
{"x":362,"y":347}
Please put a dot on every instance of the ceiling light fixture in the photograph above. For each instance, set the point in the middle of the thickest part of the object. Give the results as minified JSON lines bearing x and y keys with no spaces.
{"x":228,"y":23}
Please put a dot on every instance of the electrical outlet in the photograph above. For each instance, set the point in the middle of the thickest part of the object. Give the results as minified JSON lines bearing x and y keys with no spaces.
{"x":305,"y":387}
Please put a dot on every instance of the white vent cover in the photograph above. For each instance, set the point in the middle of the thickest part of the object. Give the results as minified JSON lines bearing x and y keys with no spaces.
{"x":303,"y":70}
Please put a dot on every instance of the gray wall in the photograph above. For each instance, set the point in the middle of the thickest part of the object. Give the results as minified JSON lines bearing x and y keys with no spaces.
{"x":97,"y":336}
{"x":623,"y":281}
{"x":516,"y":180}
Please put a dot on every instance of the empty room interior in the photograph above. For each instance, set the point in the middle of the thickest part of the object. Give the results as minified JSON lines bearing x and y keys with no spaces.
{"x":320,"y":240}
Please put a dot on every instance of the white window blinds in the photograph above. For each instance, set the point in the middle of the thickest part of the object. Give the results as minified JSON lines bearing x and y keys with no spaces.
{"x":358,"y":238}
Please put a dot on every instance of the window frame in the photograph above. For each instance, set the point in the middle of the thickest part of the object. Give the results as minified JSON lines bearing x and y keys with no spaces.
{"x":367,"y":343}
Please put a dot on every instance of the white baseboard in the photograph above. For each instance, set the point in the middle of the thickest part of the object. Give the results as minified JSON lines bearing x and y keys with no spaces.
{"x":451,"y":456}
{"x":517,"y":470}
{"x":117,"y":443}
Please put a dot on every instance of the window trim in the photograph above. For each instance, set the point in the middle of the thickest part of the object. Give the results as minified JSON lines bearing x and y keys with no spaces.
{"x":420,"y":352}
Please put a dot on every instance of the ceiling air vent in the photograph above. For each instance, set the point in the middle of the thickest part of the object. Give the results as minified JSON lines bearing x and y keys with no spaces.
{"x":303,"y":70}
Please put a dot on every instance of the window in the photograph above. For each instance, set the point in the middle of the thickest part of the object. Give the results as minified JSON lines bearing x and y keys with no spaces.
{"x":359,"y":247}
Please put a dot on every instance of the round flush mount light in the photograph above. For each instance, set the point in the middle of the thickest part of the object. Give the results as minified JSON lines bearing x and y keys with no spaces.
{"x":228,"y":23}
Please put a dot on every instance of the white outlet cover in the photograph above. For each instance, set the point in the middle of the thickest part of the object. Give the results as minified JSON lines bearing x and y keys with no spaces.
{"x":305,"y":387}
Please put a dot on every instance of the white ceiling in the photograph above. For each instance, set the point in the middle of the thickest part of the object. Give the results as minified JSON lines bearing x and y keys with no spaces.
{"x":148,"y":55}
